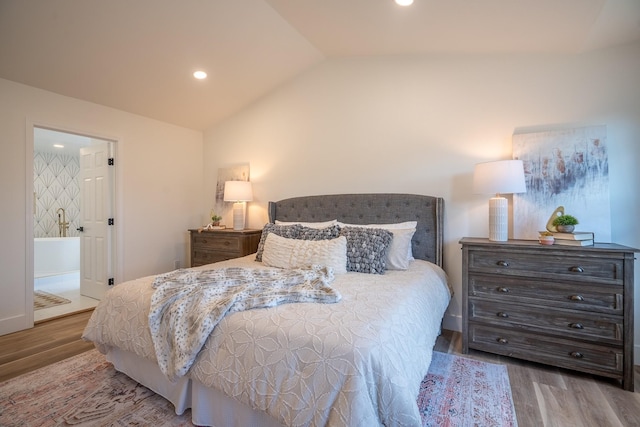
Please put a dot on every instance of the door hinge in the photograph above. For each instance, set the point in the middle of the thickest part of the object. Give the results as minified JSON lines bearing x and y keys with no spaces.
{"x":110,"y":221}
{"x":111,"y":281}
{"x":110,"y":162}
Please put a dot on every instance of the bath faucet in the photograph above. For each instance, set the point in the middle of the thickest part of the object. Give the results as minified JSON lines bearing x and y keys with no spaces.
{"x":63,"y":225}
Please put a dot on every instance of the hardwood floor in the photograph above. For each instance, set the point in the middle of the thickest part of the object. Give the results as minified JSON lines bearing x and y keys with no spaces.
{"x":48,"y":342}
{"x":543,"y":396}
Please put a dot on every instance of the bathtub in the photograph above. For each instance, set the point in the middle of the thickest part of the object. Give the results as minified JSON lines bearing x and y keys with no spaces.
{"x":55,"y":255}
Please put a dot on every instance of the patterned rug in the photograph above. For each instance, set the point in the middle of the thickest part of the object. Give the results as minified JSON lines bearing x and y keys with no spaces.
{"x":459,"y":391}
{"x":43,"y":299}
{"x":85,"y":390}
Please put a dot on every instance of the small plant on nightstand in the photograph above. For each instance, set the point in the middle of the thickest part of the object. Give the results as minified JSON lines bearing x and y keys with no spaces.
{"x":215,"y":219}
{"x":565,"y":223}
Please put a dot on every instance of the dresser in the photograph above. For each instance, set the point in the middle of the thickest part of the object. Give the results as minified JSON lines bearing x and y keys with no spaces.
{"x":566,"y":306}
{"x":219,"y":245}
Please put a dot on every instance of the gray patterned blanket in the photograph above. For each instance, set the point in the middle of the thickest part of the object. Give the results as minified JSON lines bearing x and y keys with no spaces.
{"x":187,"y":304}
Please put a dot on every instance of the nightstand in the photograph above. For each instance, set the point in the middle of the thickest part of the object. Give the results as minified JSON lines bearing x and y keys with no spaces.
{"x":210,"y":246}
{"x":566,"y":306}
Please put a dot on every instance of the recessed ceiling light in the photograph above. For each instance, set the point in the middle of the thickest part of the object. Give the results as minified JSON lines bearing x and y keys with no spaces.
{"x":200,"y":75}
{"x":404,"y":2}
{"x":58,"y":145}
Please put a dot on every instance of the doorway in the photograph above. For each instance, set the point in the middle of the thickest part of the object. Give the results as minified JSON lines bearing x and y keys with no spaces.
{"x":70,"y":273}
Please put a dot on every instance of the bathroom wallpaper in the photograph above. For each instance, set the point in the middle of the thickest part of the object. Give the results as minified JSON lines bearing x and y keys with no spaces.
{"x":55,"y":185}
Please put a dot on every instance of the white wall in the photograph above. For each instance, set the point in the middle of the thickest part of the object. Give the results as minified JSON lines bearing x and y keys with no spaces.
{"x":419,"y":125}
{"x":159,"y":173}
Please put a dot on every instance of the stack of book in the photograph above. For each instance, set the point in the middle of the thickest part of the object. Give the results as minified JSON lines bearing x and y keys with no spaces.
{"x":578,"y":238}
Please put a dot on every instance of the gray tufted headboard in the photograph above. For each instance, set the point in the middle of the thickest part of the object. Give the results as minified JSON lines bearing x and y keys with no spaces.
{"x":373,"y":209}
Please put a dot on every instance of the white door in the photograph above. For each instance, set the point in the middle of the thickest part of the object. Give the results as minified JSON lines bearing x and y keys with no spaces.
{"x":96,"y":235}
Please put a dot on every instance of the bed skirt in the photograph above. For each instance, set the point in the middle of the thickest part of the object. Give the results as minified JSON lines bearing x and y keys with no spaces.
{"x":209,"y":407}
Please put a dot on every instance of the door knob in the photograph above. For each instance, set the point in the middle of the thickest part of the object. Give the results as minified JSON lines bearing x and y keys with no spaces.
{"x":80,"y":229}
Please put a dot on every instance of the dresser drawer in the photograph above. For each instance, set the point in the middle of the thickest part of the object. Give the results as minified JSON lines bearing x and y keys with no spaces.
{"x":567,"y":323}
{"x":217,"y":243}
{"x":564,"y":353}
{"x":582,"y":296}
{"x":578,"y":268}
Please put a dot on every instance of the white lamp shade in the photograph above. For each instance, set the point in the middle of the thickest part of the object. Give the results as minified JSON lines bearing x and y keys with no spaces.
{"x":499,"y":177}
{"x":238,"y":191}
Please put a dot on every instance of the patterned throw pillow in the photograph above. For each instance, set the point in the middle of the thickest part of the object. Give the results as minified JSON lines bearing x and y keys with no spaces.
{"x":367,"y":249}
{"x":296,"y":231}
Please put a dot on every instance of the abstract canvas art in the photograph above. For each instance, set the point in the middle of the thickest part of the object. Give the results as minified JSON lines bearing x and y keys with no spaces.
{"x":567,"y":167}
{"x":235,"y":173}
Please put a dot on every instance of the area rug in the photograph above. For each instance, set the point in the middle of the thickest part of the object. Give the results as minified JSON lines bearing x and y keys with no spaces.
{"x":459,"y":391}
{"x":43,"y":299}
{"x":85,"y":390}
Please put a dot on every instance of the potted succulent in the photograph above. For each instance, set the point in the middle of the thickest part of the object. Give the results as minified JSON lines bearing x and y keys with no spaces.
{"x":215,"y":219}
{"x":565,"y":223}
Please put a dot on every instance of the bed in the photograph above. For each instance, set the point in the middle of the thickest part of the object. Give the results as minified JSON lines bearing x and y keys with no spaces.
{"x":357,"y":361}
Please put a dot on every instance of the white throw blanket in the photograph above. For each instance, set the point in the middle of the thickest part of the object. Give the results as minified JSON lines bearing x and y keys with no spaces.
{"x":187,"y":304}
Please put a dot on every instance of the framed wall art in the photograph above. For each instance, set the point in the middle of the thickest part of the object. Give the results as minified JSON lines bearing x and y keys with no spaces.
{"x":234,"y":173}
{"x":569,"y":168}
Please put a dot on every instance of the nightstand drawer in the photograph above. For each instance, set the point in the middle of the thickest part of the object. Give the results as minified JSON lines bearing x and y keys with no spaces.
{"x":568,"y":323}
{"x":217,"y":243}
{"x":564,"y":353}
{"x":584,"y":296}
{"x":201,"y":257}
{"x":586,"y":268}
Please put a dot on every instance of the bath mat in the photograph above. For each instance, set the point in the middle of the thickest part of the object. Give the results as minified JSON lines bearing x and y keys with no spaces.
{"x":85,"y":390}
{"x":43,"y":299}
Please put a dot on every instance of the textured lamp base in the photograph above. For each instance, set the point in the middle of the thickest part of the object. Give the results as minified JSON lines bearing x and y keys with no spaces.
{"x":498,"y":219}
{"x":238,"y":216}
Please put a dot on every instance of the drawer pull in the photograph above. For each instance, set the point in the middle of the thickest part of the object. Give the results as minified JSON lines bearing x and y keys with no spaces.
{"x":576,"y":354}
{"x":502,"y":263}
{"x":502,"y":289}
{"x":502,"y":314}
{"x":576,"y":298}
{"x":503,"y":340}
{"x":576,"y":269}
{"x":576,"y":325}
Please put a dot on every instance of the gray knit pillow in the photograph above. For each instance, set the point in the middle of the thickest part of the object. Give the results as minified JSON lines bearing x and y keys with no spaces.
{"x":296,"y":231}
{"x":308,"y":233}
{"x":367,"y":249}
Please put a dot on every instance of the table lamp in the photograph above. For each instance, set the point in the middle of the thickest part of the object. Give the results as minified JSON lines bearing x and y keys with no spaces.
{"x":499,"y":177}
{"x":238,"y":192}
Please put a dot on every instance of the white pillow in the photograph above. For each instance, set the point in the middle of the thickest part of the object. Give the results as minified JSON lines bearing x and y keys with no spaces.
{"x":399,"y":254}
{"x":323,"y":224}
{"x":295,"y":253}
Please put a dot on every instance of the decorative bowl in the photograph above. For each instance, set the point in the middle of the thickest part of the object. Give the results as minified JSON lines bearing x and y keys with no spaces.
{"x":546,"y":240}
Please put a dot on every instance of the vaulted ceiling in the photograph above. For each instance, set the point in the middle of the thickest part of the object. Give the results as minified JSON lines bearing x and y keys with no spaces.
{"x":139,"y":56}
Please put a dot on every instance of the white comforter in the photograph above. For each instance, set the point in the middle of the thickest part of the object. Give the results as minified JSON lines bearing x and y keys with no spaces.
{"x":356,"y":362}
{"x":188,"y":304}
